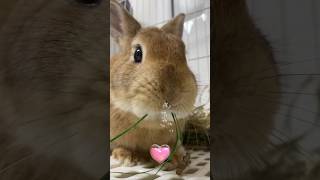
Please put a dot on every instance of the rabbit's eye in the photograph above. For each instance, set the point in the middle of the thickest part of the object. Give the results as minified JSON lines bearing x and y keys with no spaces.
{"x":89,"y":2}
{"x":138,"y":54}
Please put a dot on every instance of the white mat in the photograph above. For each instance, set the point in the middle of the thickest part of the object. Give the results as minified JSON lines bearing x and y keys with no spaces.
{"x":199,"y":169}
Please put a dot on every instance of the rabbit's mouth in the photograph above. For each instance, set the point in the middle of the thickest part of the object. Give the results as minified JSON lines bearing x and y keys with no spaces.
{"x":142,"y":105}
{"x":155,"y":111}
{"x":149,"y":98}
{"x":156,"y":115}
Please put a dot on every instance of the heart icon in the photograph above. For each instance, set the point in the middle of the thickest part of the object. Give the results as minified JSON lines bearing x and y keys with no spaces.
{"x":160,"y":153}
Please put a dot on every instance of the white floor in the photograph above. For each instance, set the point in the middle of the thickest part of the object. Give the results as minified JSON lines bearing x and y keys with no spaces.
{"x":199,"y":169}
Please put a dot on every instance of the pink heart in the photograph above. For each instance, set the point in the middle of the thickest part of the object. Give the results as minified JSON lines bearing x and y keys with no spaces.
{"x":160,"y":153}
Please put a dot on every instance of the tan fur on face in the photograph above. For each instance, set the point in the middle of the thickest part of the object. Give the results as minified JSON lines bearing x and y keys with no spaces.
{"x":162,"y":76}
{"x":142,"y":88}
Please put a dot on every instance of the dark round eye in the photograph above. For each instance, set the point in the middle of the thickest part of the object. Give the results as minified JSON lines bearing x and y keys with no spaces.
{"x":138,"y":54}
{"x":89,"y":2}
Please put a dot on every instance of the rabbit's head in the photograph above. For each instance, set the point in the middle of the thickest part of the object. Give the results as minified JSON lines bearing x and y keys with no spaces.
{"x":151,"y":68}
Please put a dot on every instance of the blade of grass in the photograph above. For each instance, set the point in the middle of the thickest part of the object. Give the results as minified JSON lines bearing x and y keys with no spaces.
{"x":128,"y":129}
{"x":175,"y":146}
{"x":178,"y":137}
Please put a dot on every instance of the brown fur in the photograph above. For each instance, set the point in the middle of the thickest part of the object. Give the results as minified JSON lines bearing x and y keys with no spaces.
{"x":139,"y":89}
{"x":244,"y":74}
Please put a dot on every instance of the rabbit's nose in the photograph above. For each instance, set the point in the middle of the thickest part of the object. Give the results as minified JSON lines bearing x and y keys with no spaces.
{"x":167,"y":74}
{"x":170,"y":69}
{"x":168,"y":82}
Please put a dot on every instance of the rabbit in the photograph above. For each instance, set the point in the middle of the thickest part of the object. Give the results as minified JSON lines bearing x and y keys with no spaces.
{"x":53,"y":90}
{"x":149,"y":71}
{"x":245,"y":91}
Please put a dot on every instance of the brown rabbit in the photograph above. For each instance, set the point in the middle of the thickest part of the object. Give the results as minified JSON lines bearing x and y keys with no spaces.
{"x":149,"y":70}
{"x":244,"y":90}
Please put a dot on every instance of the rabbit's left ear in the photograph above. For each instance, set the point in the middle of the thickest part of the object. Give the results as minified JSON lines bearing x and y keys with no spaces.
{"x":175,"y":26}
{"x":122,"y":24}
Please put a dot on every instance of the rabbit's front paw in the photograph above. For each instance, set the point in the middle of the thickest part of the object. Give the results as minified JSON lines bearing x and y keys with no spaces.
{"x":179,"y":161}
{"x":125,"y":156}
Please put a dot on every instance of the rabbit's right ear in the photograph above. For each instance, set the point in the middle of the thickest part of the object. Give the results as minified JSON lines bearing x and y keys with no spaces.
{"x":122,"y":24}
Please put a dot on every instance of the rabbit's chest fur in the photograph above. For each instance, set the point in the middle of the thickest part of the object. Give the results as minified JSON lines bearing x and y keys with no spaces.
{"x":140,"y":138}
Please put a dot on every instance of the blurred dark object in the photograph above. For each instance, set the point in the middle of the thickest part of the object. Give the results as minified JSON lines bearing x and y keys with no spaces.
{"x":53,"y":90}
